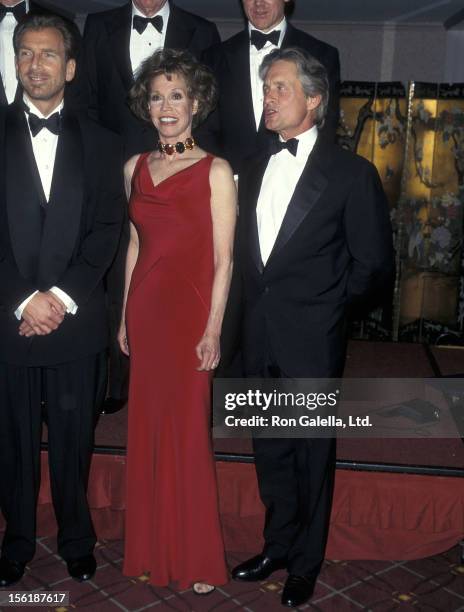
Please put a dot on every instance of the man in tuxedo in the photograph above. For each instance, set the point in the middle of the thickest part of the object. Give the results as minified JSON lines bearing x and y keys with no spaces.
{"x":61,"y":210}
{"x":236,"y":129}
{"x":313,"y":238}
{"x":115,"y":44}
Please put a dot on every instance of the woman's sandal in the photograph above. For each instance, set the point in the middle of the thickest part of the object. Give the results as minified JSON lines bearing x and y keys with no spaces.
{"x":200,"y":585}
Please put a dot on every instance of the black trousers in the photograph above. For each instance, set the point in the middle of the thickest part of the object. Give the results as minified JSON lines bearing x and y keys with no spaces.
{"x":64,"y":396}
{"x":118,"y":376}
{"x":295,"y":480}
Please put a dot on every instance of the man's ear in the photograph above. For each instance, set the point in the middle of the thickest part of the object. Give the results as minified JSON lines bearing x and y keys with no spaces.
{"x":313,"y":102}
{"x":70,"y":70}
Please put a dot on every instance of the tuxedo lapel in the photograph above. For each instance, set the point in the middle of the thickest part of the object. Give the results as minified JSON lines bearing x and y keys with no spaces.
{"x":312,"y":183}
{"x":250,"y":221}
{"x":64,"y":210}
{"x":119,"y":32}
{"x":23,"y":199}
{"x":3,"y":99}
{"x":178,"y":33}
{"x":238,"y":59}
{"x":290,"y":37}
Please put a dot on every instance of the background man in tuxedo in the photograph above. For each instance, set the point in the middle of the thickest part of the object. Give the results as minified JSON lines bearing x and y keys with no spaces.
{"x":11,"y":11}
{"x":236,"y":130}
{"x":61,"y":209}
{"x":115,"y":44}
{"x":313,"y":236}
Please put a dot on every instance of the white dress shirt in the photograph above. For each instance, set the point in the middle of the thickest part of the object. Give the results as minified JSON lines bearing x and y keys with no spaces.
{"x":145,"y":44}
{"x":256,"y":57}
{"x":279,"y":182}
{"x":44,"y":146}
{"x":7,"y":57}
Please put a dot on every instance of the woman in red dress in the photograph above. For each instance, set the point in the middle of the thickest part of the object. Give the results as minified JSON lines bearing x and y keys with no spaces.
{"x":182,"y":211}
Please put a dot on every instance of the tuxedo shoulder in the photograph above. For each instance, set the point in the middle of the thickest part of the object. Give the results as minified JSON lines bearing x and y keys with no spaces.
{"x":98,"y":131}
{"x":235,"y":42}
{"x":311,"y":43}
{"x":190,"y":19}
{"x":349,"y":161}
{"x":103,"y":18}
{"x":34,"y":7}
{"x":217,"y":52}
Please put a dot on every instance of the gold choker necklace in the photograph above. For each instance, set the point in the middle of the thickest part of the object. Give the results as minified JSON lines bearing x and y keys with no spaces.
{"x":179,"y":147}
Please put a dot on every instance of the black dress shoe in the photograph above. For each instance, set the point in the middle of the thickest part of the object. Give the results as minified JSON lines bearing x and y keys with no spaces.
{"x":298,"y":590}
{"x":10,"y":571}
{"x":112,"y":405}
{"x":257,"y":568}
{"x":83,"y":568}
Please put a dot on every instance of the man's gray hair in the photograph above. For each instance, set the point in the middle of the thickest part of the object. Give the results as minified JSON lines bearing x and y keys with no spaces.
{"x":311,"y":73}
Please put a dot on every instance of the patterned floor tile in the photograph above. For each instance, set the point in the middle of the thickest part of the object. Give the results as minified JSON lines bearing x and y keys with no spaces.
{"x":344,"y":586}
{"x":342,"y":574}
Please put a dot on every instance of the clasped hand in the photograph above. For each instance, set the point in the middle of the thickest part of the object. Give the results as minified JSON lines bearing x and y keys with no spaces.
{"x":43,"y":314}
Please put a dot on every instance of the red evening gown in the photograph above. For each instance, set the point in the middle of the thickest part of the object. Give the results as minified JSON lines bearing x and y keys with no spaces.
{"x":172,"y":519}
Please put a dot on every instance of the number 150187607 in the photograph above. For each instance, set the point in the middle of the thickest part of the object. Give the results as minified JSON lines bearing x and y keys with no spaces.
{"x":27,"y":598}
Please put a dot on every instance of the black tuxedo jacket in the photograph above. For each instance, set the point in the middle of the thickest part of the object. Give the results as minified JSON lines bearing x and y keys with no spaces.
{"x":231,"y":130}
{"x":70,"y":243}
{"x":334,"y":248}
{"x":107,"y":73}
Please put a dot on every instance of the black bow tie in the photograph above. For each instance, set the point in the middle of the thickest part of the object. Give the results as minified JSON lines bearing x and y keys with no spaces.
{"x":18,"y":11}
{"x":279,"y":145}
{"x":140,"y":23}
{"x":258,"y":39}
{"x":52,"y":123}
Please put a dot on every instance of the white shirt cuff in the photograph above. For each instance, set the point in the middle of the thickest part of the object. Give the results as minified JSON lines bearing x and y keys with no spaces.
{"x":19,"y":311}
{"x":71,"y":306}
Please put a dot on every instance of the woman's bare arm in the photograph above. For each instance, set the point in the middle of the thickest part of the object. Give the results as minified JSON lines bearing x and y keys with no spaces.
{"x":131,"y":257}
{"x":224,"y":214}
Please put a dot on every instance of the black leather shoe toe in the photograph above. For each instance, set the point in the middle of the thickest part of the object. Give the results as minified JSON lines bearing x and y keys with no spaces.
{"x":257,"y":568}
{"x":10,"y":571}
{"x":298,"y":590}
{"x":112,"y":405}
{"x":83,"y":568}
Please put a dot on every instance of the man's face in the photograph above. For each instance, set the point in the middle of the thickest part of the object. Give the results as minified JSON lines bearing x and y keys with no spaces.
{"x":264,"y":14}
{"x":9,"y":2}
{"x":42,"y":67}
{"x":149,"y":7}
{"x":287,"y":110}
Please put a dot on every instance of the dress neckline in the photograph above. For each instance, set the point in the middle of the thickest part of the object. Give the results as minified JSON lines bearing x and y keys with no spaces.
{"x":172,"y":175}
